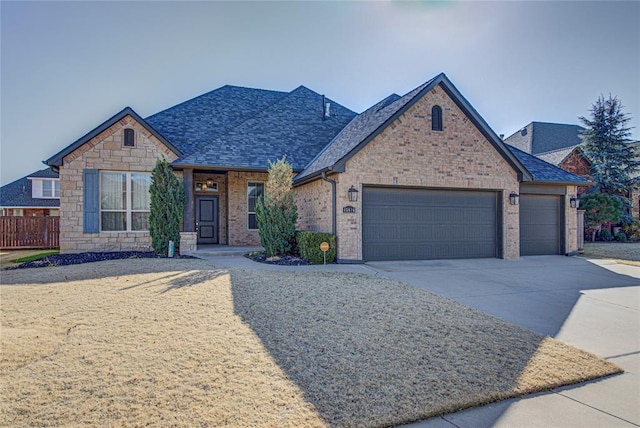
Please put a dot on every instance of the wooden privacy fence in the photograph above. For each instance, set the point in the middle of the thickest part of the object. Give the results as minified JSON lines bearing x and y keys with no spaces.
{"x":29,"y":232}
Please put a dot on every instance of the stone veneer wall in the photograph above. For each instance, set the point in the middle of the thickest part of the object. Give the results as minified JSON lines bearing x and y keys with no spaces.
{"x":409,"y":153}
{"x":104,"y":152}
{"x":239,"y":233}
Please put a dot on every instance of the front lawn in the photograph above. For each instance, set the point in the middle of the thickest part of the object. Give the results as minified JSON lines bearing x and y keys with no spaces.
{"x":180,"y":342}
{"x":628,"y":251}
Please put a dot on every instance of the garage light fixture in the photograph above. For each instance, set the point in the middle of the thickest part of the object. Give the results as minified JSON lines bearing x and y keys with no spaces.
{"x":574,"y":202}
{"x":514,"y":198}
{"x":353,"y":194}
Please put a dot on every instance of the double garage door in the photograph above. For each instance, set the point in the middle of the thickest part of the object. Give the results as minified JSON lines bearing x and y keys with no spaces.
{"x":421,"y":224}
{"x":424,"y":224}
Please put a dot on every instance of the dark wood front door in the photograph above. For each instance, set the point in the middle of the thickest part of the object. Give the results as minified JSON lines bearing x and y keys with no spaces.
{"x":207,"y":219}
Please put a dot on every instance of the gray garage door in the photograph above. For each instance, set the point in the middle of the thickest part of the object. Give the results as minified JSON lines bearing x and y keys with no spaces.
{"x":418,"y":224}
{"x":539,"y":225}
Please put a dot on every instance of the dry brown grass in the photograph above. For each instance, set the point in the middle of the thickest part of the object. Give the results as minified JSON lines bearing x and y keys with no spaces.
{"x":627,"y":252}
{"x":137,"y":342}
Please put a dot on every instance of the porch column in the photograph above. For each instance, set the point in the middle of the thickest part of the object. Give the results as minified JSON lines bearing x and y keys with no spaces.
{"x":189,"y":206}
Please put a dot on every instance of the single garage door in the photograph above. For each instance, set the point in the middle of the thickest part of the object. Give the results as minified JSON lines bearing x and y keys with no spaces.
{"x":419,"y":224}
{"x":540,"y":225}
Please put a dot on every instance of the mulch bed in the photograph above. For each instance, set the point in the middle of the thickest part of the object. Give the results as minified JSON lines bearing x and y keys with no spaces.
{"x":289,"y":260}
{"x":75,"y":259}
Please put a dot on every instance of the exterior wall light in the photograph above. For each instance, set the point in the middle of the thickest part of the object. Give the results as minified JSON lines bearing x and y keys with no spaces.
{"x":353,"y":194}
{"x":574,"y":202}
{"x":514,"y":198}
{"x":209,"y":182}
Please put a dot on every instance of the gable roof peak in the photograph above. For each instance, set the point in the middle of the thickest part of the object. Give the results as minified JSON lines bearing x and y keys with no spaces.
{"x":365,"y":127}
{"x":57,"y":159}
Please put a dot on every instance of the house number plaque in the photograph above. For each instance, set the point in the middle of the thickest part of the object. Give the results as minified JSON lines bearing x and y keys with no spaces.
{"x":349,"y":209}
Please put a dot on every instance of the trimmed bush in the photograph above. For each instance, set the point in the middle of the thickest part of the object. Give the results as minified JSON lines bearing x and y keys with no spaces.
{"x":605,"y":235}
{"x":309,"y":246}
{"x":621,"y":237}
{"x":277,"y":213}
{"x":632,"y":230}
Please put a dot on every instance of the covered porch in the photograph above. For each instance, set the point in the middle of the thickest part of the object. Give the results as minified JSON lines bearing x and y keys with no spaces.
{"x":220,"y":209}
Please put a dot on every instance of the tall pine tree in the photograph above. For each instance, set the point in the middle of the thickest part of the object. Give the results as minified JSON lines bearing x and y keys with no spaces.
{"x":606,"y":145}
{"x":167,"y":207}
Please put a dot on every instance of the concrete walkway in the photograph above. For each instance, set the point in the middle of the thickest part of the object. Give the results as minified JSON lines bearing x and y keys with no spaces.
{"x":591,"y":304}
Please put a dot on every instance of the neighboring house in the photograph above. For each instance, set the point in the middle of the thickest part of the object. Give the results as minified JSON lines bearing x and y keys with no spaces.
{"x":420,"y":176}
{"x":561,"y":145}
{"x":36,"y":194}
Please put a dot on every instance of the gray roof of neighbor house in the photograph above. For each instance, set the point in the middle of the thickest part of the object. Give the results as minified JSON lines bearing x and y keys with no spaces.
{"x":18,"y":193}
{"x":294,"y":125}
{"x":366,"y":126}
{"x":543,"y":137}
{"x":555,"y":157}
{"x":545,"y":172}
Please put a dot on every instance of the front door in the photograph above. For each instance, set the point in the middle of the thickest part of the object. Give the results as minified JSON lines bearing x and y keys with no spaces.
{"x":207,"y":219}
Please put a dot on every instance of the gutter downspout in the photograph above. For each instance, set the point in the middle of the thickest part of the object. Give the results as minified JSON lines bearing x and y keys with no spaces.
{"x":333,"y":207}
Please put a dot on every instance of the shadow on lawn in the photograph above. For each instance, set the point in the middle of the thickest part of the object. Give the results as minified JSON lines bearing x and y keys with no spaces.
{"x":367,"y":351}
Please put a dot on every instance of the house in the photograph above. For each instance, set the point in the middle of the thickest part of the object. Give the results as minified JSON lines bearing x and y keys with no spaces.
{"x":419,"y":176}
{"x":561,"y":145}
{"x":35,"y":195}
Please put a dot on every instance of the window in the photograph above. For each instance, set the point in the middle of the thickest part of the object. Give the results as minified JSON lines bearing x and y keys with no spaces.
{"x":436,"y":118}
{"x":254,"y":192}
{"x":50,"y":189}
{"x":124,"y":201}
{"x":129,"y":137}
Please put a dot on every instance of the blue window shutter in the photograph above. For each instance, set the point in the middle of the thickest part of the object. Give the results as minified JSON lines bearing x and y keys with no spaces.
{"x":91,"y":211}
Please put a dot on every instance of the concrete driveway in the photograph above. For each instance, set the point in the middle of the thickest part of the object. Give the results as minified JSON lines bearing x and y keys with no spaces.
{"x":591,"y":304}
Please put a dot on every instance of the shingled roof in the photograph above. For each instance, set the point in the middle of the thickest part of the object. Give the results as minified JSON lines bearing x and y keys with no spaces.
{"x":294,"y":126}
{"x":18,"y":193}
{"x":543,"y":137}
{"x":366,"y":126}
{"x":545,"y":172}
{"x":556,"y":157}
{"x":200,"y":120}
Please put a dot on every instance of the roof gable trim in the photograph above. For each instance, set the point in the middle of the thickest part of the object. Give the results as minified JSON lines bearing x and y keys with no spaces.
{"x":57,"y":159}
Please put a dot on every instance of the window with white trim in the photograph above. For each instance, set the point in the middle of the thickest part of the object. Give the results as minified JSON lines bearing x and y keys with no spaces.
{"x":124,"y":201}
{"x":51,"y":189}
{"x":255,"y":191}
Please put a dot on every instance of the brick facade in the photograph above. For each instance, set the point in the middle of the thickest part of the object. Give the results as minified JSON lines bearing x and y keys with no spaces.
{"x":409,"y":153}
{"x":314,"y":206}
{"x":239,"y":233}
{"x":105,"y":152}
{"x":577,"y":164}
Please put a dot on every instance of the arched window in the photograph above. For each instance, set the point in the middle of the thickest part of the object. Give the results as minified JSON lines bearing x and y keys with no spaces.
{"x":436,"y":118}
{"x":129,"y":137}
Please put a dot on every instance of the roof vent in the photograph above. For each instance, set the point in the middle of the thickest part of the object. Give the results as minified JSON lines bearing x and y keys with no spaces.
{"x":523,"y":131}
{"x":326,"y":110}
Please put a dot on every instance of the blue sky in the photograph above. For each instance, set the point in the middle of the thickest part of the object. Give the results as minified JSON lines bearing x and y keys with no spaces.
{"x":68,"y":66}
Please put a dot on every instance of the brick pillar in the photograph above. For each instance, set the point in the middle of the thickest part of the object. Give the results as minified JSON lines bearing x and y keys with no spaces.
{"x":189,"y":206}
